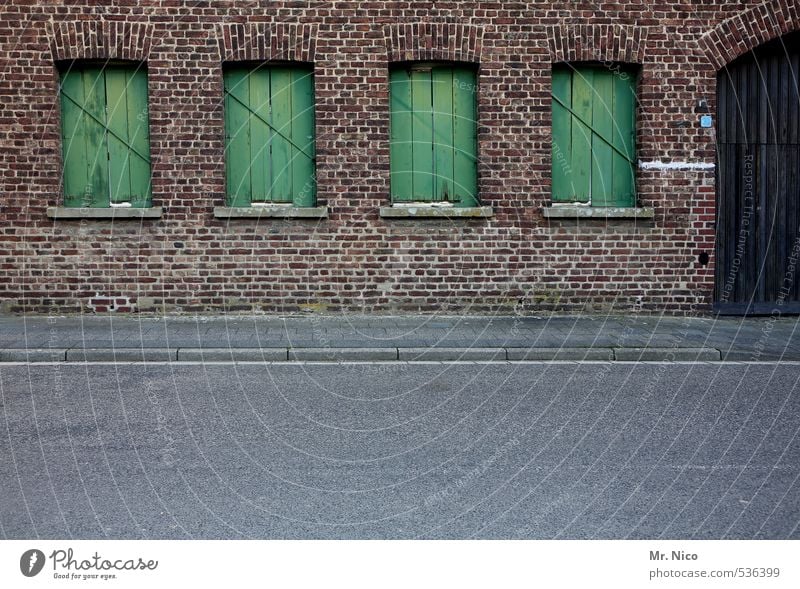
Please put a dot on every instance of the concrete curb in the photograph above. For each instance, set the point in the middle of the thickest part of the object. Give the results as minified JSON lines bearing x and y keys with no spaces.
{"x":667,"y":354}
{"x":122,"y":355}
{"x":232,"y":355}
{"x":410,"y":354}
{"x":342,"y":354}
{"x":451,"y":354}
{"x":588,"y":354}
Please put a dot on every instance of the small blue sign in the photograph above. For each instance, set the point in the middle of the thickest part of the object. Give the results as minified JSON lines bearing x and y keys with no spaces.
{"x":706,"y":121}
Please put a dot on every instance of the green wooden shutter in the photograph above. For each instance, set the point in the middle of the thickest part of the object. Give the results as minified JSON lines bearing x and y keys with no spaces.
{"x":433,"y":146}
{"x":105,"y":133}
{"x":593,"y":155}
{"x":269,"y":130}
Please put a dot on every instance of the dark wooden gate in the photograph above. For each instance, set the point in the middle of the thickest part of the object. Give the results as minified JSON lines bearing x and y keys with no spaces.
{"x":758,"y":182}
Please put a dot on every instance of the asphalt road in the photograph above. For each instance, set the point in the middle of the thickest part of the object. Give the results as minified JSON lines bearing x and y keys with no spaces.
{"x":526,"y":451}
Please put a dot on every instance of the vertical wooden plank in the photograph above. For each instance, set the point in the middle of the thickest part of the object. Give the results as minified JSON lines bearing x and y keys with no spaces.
{"x":139,"y":137}
{"x":794,"y":216}
{"x":281,"y":149}
{"x":465,"y":138}
{"x":602,"y":133}
{"x":794,"y":98}
{"x":723,"y":81}
{"x":774,"y":93}
{"x":260,"y":133}
{"x":237,"y":137}
{"x":445,"y":85}
{"x":582,"y":103}
{"x":74,"y":123}
{"x":422,"y":135}
{"x":759,"y":107}
{"x":94,"y":89}
{"x":785,"y":74}
{"x":119,"y":172}
{"x":562,"y":189}
{"x":624,"y":139}
{"x":401,"y":139}
{"x":304,"y":181}
{"x":743,"y":95}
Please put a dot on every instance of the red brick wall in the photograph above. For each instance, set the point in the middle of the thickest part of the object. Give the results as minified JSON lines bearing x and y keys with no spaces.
{"x":354,"y":260}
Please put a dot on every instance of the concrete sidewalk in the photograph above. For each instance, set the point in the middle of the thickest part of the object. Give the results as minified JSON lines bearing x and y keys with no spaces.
{"x":386,"y":338}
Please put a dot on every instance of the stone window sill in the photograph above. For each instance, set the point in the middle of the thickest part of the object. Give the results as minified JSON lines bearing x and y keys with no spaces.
{"x":287,"y":212}
{"x":584,"y":212}
{"x":116,"y":213}
{"x":428,"y":212}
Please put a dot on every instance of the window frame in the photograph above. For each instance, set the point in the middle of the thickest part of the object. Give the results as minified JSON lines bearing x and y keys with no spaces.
{"x":463,"y":158}
{"x":306,"y":197}
{"x":618,"y":153}
{"x":119,"y":159}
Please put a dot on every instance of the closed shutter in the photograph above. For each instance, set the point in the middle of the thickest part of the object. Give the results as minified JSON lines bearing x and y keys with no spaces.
{"x":433,"y":134}
{"x":269,"y":131}
{"x":594,"y":110}
{"x":105,"y":136}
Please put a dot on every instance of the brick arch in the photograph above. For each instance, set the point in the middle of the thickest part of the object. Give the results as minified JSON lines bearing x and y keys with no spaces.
{"x":267,"y":41}
{"x":749,"y":29}
{"x":569,"y":42}
{"x":424,"y":41}
{"x":100,"y":39}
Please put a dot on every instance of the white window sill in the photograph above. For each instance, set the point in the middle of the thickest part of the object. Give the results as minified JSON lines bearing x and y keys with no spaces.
{"x":116,"y":213}
{"x":559,"y":211}
{"x":428,"y":212}
{"x":280,"y":212}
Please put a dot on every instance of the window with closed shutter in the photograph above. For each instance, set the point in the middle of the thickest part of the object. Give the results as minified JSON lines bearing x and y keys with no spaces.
{"x":269,"y":135}
{"x":105,"y":136}
{"x":594,"y":134}
{"x":433,"y":147}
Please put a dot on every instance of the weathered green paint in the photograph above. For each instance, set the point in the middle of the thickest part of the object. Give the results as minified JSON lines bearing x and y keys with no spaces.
{"x":465,"y":137}
{"x":582,"y":99}
{"x":602,"y":131}
{"x":562,"y":136}
{"x":422,"y":134}
{"x":303,"y":173}
{"x":269,"y":122}
{"x":281,"y":113}
{"x":237,"y":138}
{"x":401,"y":140}
{"x":434,"y":134}
{"x":443,"y":145}
{"x":259,"y":165}
{"x":594,"y":136}
{"x":624,"y":140}
{"x":105,"y":136}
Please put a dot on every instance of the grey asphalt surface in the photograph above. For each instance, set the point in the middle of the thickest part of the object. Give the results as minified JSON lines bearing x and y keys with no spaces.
{"x":522,"y":451}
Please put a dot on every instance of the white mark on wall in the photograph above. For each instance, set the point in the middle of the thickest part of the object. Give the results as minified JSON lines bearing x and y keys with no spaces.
{"x":675,"y":165}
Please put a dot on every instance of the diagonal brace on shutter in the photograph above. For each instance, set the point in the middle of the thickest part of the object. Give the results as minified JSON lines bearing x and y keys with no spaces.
{"x":603,"y":139}
{"x":268,"y":124}
{"x":104,"y":125}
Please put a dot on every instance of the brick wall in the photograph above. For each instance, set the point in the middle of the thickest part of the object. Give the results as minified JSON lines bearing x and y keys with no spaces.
{"x":517,"y":261}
